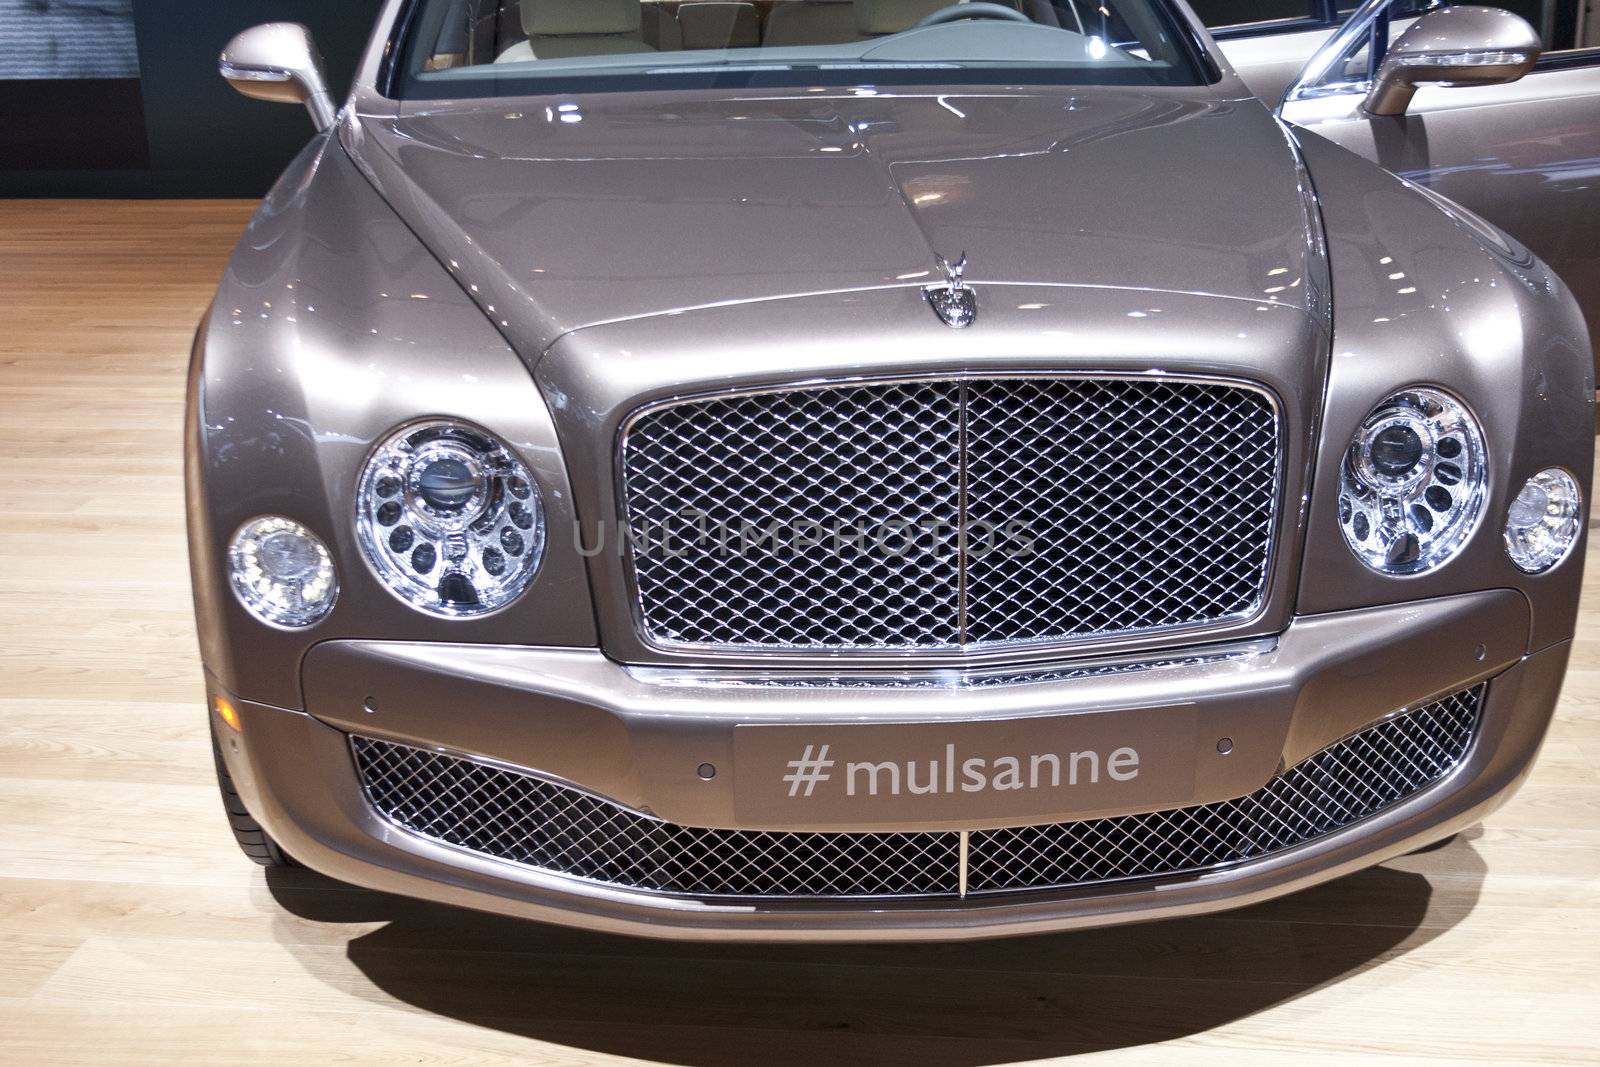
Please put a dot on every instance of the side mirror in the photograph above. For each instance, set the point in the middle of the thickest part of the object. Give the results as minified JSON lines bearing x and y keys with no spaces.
{"x":279,"y":61}
{"x":1453,"y":46}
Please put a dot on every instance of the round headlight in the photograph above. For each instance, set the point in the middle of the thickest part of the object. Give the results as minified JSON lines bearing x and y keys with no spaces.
{"x":281,"y":572}
{"x":1412,"y":483}
{"x":1544,"y":521}
{"x":450,"y":518}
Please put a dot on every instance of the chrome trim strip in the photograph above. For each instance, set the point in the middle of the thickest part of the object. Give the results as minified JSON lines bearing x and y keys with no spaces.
{"x":963,"y":512}
{"x":951,"y":678}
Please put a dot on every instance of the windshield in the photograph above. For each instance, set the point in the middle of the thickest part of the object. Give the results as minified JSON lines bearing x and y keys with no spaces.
{"x":464,"y":48}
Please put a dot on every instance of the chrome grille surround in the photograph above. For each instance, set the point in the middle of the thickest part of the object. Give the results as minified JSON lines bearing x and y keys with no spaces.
{"x":1151,"y":502}
{"x":536,"y":822}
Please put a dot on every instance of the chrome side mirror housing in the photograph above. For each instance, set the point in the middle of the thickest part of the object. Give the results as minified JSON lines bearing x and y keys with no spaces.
{"x":1453,"y":46}
{"x":279,"y":61}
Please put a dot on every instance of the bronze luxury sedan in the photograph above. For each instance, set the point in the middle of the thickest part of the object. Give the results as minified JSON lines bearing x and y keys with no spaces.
{"x":868,"y":469}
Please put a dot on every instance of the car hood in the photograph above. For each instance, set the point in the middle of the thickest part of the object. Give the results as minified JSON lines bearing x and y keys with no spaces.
{"x":562,"y":213}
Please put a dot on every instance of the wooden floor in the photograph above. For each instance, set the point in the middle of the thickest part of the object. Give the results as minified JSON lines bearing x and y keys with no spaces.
{"x":133,"y":932}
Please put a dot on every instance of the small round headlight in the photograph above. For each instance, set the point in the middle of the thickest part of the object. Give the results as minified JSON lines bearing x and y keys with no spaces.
{"x":1543,"y":522}
{"x":1412,"y":484}
{"x":450,"y":518}
{"x":281,"y":572}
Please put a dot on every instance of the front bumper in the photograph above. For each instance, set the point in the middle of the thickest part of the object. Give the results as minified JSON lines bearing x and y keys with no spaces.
{"x":644,"y":740}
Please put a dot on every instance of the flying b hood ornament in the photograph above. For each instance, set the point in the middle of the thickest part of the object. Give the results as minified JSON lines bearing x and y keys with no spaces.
{"x":954,"y":303}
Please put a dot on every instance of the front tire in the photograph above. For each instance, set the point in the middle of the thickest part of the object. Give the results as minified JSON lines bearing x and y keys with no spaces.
{"x":253,"y":840}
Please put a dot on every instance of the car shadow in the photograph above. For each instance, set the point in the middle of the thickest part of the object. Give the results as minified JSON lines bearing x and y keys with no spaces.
{"x":963,"y":1004}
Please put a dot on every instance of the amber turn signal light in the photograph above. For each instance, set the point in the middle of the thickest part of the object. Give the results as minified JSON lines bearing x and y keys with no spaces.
{"x":229,"y":713}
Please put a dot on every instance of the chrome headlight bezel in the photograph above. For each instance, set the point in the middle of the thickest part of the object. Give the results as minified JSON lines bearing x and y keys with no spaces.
{"x":276,"y":588}
{"x":1560,"y":512}
{"x":1414,"y":482}
{"x":450,"y":518}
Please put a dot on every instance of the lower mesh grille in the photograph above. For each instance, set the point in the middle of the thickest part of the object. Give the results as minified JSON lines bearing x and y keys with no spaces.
{"x":528,"y":820}
{"x":522,"y":818}
{"x":1357,"y":777}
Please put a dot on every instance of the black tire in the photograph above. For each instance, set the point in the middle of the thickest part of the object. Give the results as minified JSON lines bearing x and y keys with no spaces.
{"x":253,"y":840}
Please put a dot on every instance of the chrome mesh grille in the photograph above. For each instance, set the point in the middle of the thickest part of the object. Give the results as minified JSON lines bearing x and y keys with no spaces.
{"x":865,"y":457}
{"x":1151,"y":505}
{"x":949,"y":513}
{"x":1361,"y":775}
{"x":532,"y":821}
{"x":522,"y":818}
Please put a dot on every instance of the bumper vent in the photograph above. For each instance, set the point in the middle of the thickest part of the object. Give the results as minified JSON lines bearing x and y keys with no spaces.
{"x":949,"y":514}
{"x":526,"y":819}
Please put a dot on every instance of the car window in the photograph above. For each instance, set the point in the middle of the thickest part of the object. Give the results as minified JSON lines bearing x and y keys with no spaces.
{"x":499,"y":47}
{"x":1217,"y":14}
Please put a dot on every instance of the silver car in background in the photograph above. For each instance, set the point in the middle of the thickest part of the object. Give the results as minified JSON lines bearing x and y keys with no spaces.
{"x":1521,"y":153}
{"x":860,"y":469}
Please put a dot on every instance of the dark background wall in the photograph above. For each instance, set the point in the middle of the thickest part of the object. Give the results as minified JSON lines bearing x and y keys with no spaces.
{"x":198,"y":137}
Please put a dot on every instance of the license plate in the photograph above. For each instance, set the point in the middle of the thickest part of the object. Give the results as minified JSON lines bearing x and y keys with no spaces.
{"x":982,"y":773}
